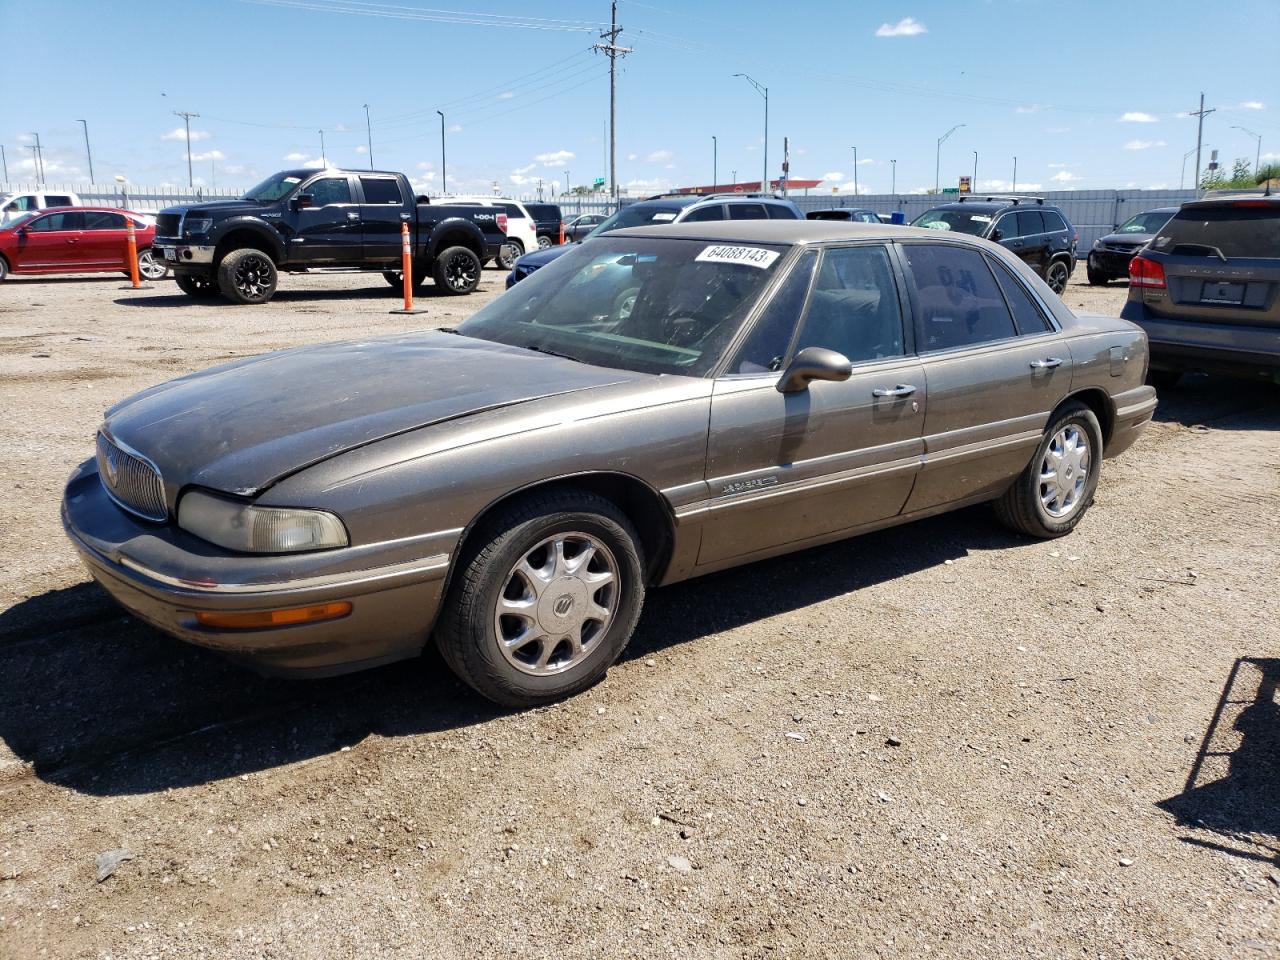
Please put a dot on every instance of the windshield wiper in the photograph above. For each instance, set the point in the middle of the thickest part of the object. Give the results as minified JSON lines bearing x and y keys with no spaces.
{"x":551,"y":353}
{"x":1199,"y":246}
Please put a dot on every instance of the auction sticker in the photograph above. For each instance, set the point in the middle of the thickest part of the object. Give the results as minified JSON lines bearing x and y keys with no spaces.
{"x":751,"y":256}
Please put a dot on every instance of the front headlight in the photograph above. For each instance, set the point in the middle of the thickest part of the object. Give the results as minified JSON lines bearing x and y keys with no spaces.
{"x":252,"y":529}
{"x":1097,"y":244}
{"x":198,"y":225}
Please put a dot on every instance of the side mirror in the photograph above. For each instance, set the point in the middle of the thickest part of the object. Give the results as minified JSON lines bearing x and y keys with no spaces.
{"x":997,"y":235}
{"x":303,"y":200}
{"x":814,"y":363}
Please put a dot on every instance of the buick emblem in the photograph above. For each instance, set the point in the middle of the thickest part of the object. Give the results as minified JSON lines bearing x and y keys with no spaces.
{"x":563,"y":606}
{"x":112,"y":468}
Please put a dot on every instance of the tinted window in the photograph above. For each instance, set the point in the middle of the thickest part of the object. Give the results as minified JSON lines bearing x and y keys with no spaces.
{"x":1054,"y":221}
{"x":1026,"y":314}
{"x":512,"y":211}
{"x":60,"y":221}
{"x":1149,"y":222}
{"x":957,"y":300}
{"x":1008,"y":226}
{"x":828,"y":215}
{"x":780,"y":211}
{"x":1030,"y":223}
{"x":766,"y":347}
{"x":712,"y":212}
{"x":543,"y":211}
{"x":101,"y":220}
{"x":336,"y":190}
{"x":56,"y":200}
{"x":1235,"y":231}
{"x":854,"y":307}
{"x":961,"y":221}
{"x":747,"y":211}
{"x":381,"y":190}
{"x":23,"y":203}
{"x":866,"y":216}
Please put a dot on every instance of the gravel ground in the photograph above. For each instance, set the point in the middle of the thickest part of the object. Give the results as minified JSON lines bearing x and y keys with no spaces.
{"x":939,"y":740}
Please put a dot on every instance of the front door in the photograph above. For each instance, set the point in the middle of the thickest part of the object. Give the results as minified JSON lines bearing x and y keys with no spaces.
{"x":380,"y":216}
{"x":327,"y":231}
{"x":993,"y":380}
{"x":53,"y":242}
{"x":787,"y":468}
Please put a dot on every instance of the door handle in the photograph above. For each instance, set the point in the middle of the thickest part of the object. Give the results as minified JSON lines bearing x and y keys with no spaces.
{"x":1048,"y":363}
{"x":901,"y":390}
{"x":352,"y":215}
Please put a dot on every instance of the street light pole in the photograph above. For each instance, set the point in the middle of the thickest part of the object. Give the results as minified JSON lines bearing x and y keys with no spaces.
{"x":368,"y":130}
{"x":937,"y":160}
{"x":87,"y":151}
{"x":1182,"y":179}
{"x":443,"y":168}
{"x":974,"y":185}
{"x":1257,"y":159}
{"x":715,"y":161}
{"x":1015,"y":176}
{"x":4,"y":160}
{"x":566,"y":180}
{"x":764,"y":92}
{"x":855,"y":171}
{"x":893,"y":188}
{"x":322,"y":156}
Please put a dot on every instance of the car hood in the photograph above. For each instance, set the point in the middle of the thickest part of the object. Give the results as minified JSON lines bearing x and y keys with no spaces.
{"x":1134,"y":240}
{"x":540,"y":258}
{"x":225,"y":207}
{"x":243,"y":426}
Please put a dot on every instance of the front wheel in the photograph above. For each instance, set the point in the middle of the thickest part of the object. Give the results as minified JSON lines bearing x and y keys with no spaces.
{"x":456,"y":271}
{"x":396,"y":278}
{"x":150,"y":266}
{"x":545,"y":599}
{"x":1056,"y":275}
{"x":1052,"y":494}
{"x":247,"y":276}
{"x":197,"y":285}
{"x":544,"y":243}
{"x":4,"y":269}
{"x":509,"y":253}
{"x":1097,"y":278}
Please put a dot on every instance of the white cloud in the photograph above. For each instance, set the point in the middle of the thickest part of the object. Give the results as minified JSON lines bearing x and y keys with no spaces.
{"x":455,"y":128}
{"x":524,"y":169}
{"x":1064,"y":176}
{"x":1058,"y":166}
{"x":1137,"y":116}
{"x":1144,"y":144}
{"x":660,"y":156}
{"x":1158,"y":186}
{"x":1004,"y":186}
{"x":362,"y":149}
{"x":505,"y":95}
{"x":1057,"y":130}
{"x":210,"y":155}
{"x":865,"y":160}
{"x":315,"y":164}
{"x":906,"y":27}
{"x":519,"y":179}
{"x":835,"y":176}
{"x":295,"y":157}
{"x":426,"y":165}
{"x":180,"y":133}
{"x":1270,"y":156}
{"x":669,"y":166}
{"x":632,"y":156}
{"x":1030,"y":108}
{"x":557,"y":158}
{"x":1252,"y":105}
{"x":340,"y":128}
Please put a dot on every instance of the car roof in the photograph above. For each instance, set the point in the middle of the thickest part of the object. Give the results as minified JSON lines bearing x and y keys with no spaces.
{"x":786,"y":231}
{"x":71,"y":207}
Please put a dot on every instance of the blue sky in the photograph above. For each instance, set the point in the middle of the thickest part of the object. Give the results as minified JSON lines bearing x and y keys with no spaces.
{"x":1087,"y":94}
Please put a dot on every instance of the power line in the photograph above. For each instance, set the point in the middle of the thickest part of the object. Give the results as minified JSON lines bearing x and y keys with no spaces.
{"x":613,"y":52}
{"x":394,"y":12}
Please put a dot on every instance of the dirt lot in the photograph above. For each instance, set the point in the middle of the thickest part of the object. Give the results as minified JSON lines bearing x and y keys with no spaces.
{"x":939,"y":740}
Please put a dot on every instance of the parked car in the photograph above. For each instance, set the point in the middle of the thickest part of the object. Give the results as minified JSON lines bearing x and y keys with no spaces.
{"x":299,"y":219}
{"x":1206,"y":290}
{"x":77,"y":240}
{"x":522,"y":229}
{"x":673,"y":208}
{"x":549,"y":222}
{"x":581,"y":225}
{"x":847,"y":214}
{"x":1035,"y":231}
{"x":1110,"y":256}
{"x":13,"y":205}
{"x":657,"y":404}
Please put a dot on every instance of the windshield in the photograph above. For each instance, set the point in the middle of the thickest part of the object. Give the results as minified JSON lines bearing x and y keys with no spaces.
{"x":1250,"y":229}
{"x":637,"y":215}
{"x":273,"y":188}
{"x":649,"y":305}
{"x":14,"y":222}
{"x":1149,"y":222}
{"x":961,"y":221}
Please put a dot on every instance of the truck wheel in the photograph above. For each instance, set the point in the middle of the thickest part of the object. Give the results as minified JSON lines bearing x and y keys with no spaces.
{"x":456,"y":271}
{"x":395,"y":277}
{"x":197,"y":285}
{"x":247,"y":276}
{"x":509,"y":253}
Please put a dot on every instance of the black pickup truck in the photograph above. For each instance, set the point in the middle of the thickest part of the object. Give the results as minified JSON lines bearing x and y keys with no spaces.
{"x":299,"y":219}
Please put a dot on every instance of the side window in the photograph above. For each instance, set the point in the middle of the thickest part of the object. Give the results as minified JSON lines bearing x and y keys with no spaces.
{"x":1008,"y":226}
{"x":766,"y":345}
{"x":61,"y":200}
{"x":24,"y":203}
{"x":1026,"y":315}
{"x":101,"y":220}
{"x":381,"y":190}
{"x":713,"y":211}
{"x":514,"y":212}
{"x":780,"y":211}
{"x":1030,"y":223}
{"x":746,"y":211}
{"x":332,"y":190}
{"x":59,"y":221}
{"x":957,"y":301}
{"x":854,"y":308}
{"x":1053,"y":221}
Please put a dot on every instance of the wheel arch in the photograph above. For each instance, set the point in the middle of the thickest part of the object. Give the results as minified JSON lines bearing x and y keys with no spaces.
{"x":246,"y":236}
{"x":457,"y":232}
{"x":1097,"y":400}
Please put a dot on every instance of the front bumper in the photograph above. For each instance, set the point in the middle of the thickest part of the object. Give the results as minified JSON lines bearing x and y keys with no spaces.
{"x":177,"y":254}
{"x":147,"y":568}
{"x":1111,"y":262}
{"x":1209,"y":346}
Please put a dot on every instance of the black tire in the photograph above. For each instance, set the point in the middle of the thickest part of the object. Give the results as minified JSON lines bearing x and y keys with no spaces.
{"x":393,"y":277}
{"x":508,"y":254}
{"x":247,"y":276}
{"x":467,"y":633}
{"x":545,"y":243}
{"x":1056,"y":275}
{"x":197,"y":285}
{"x":4,"y":269}
{"x":1163,"y":380}
{"x":1096,"y":278}
{"x":1022,"y":508}
{"x":456,"y":271}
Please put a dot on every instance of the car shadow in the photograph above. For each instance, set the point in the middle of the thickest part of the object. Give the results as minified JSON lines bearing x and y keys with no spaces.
{"x":1205,"y":401}
{"x":381,"y":291}
{"x":1232,"y":789}
{"x":100,"y":703}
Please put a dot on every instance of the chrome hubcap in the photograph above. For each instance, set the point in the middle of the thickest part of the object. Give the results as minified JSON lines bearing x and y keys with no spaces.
{"x":252,"y":276}
{"x":1064,"y":471}
{"x":557,"y":604}
{"x":150,"y":267}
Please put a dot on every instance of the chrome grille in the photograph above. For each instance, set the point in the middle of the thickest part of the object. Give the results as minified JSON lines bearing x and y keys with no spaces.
{"x":168,"y":225}
{"x":131,"y":481}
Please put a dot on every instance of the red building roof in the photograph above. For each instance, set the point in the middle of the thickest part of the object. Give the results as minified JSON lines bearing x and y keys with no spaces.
{"x":749,"y":186}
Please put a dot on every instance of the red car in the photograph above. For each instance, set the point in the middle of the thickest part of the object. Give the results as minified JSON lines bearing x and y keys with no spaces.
{"x":77,"y":240}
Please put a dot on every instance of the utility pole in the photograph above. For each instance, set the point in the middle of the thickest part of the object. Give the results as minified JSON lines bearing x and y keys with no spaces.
{"x":1257,"y":159}
{"x":937,"y":160}
{"x":974,"y":185}
{"x":87,"y":151}
{"x":566,"y":180}
{"x":764,"y":92}
{"x":1199,"y":115}
{"x":5,"y":160}
{"x":613,"y":52}
{"x":368,"y":130}
{"x":443,"y":174}
{"x":39,"y":159}
{"x":734,"y":177}
{"x":855,"y":171}
{"x":35,"y":159}
{"x":715,"y":162}
{"x":893,"y":188}
{"x":1015,"y":176}
{"x":322,"y":156}
{"x":186,"y":119}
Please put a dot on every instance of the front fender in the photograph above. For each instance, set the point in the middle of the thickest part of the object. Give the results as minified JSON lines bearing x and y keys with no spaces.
{"x":259,"y":228}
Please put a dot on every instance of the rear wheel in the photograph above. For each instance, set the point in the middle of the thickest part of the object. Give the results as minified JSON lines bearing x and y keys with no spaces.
{"x":456,"y":271}
{"x":4,"y":269}
{"x":509,"y":253}
{"x":1052,"y":494}
{"x":396,"y":277}
{"x":150,"y":266}
{"x":544,"y":599}
{"x":1097,"y":278}
{"x":247,"y":276}
{"x":544,"y":243}
{"x":1056,"y":275}
{"x":197,"y":285}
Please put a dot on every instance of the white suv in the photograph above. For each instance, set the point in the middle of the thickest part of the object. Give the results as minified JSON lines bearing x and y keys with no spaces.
{"x":16,"y":204}
{"x":522,"y":231}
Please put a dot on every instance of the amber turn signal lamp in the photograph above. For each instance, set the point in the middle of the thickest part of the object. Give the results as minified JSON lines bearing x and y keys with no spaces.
{"x":266,"y":619}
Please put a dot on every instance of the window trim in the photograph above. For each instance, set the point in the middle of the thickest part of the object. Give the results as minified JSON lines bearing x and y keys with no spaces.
{"x":721,"y":370}
{"x":1045,"y":313}
{"x":329,"y":176}
{"x":364,"y":199}
{"x":1009,"y":215}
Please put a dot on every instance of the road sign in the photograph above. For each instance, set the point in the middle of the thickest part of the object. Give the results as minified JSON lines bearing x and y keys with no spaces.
{"x":950,"y":190}
{"x":966,"y":185}
{"x":599,"y":182}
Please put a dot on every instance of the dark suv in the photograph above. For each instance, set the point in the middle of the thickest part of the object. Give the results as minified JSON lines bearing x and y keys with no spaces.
{"x":548,"y":221}
{"x":1207,"y":290}
{"x":1038,"y":232}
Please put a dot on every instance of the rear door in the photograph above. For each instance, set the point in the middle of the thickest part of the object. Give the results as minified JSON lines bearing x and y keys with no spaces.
{"x":712,"y":211}
{"x":105,"y":242}
{"x":53,"y":242}
{"x":1035,"y":239}
{"x":747,"y":211}
{"x":382,"y":210}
